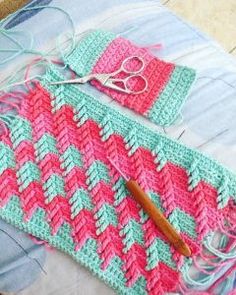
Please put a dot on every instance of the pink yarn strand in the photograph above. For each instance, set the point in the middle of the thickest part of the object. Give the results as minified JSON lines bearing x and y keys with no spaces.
{"x":224,"y":231}
{"x":3,"y":129}
{"x":157,"y":46}
{"x":201,"y":269}
{"x":28,"y":69}
{"x":221,"y":279}
{"x":11,"y":101}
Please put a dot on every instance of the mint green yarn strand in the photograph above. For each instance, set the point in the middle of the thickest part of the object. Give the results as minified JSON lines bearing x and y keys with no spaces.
{"x":190,"y":281}
{"x":23,"y":50}
{"x":18,"y":52}
{"x":230,"y":255}
{"x":50,"y":7}
{"x":7,"y":119}
{"x":58,"y":46}
{"x":7,"y":33}
{"x":8,"y":50}
{"x":41,"y":7}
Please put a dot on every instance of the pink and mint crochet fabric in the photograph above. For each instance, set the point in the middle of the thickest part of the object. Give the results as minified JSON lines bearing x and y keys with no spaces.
{"x":57,"y":184}
{"x":168,"y":83}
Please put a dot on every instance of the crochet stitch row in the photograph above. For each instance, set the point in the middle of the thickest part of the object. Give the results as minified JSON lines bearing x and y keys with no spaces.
{"x":57,"y":184}
{"x":168,"y":84}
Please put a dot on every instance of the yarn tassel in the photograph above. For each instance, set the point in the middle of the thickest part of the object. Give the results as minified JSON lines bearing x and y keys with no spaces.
{"x":9,"y":104}
{"x":215,"y":269}
{"x":41,"y":242}
{"x":221,"y":279}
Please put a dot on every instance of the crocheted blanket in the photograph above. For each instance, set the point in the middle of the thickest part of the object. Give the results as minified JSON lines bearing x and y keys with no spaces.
{"x":56,"y":183}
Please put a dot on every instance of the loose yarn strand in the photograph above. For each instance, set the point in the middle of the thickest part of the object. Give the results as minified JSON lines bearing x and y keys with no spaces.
{"x":22,"y":50}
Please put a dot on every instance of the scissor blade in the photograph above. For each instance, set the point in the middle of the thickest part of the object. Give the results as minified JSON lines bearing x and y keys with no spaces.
{"x":60,"y":82}
{"x":81,"y":80}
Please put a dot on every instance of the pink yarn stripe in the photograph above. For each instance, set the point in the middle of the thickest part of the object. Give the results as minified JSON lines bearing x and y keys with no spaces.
{"x":134,"y":264}
{"x":165,"y":283}
{"x":83,"y":228}
{"x":107,"y":194}
{"x":8,"y":186}
{"x":156,"y":71}
{"x":127,"y":210}
{"x":141,"y":169}
{"x":41,"y":118}
{"x":75,"y":179}
{"x":110,"y":246}
{"x":83,"y":225}
{"x":114,"y":146}
{"x":91,"y":150}
{"x":50,"y":165}
{"x":25,"y":152}
{"x":66,"y":128}
{"x":32,"y":196}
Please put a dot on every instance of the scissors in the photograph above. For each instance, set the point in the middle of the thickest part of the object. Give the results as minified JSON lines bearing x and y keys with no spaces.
{"x":132,"y":66}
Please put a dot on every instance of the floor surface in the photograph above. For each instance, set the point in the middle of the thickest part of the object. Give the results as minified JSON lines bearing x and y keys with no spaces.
{"x":217,"y":18}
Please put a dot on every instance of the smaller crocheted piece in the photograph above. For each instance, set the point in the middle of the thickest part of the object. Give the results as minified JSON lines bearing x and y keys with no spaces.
{"x":168,"y":83}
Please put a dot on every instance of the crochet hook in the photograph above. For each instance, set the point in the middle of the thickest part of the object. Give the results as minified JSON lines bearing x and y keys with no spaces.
{"x":155,"y":214}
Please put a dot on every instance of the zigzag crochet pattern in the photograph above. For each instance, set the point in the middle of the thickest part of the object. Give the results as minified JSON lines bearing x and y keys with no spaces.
{"x":168,"y":83}
{"x":56,"y":183}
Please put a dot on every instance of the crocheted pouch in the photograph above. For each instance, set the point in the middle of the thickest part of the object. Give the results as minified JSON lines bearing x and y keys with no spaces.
{"x":168,"y":83}
{"x":56,"y":183}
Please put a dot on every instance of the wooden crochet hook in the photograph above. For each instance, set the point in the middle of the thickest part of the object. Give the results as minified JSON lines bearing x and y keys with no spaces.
{"x":155,"y":214}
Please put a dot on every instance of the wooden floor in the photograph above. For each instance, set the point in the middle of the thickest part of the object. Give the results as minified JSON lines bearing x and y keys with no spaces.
{"x":9,"y":6}
{"x":217,"y":18}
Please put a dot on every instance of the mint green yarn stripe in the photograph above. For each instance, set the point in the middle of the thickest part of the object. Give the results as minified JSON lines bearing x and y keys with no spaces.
{"x":167,"y":107}
{"x":139,"y":287}
{"x":28,"y":173}
{"x":79,"y":201}
{"x":120,"y":190}
{"x":156,"y":200}
{"x":54,"y":186}
{"x":90,"y":48}
{"x":87,"y":256}
{"x":97,"y":172}
{"x":71,"y":158}
{"x":159,"y":251}
{"x":105,"y":216}
{"x":181,"y":220}
{"x":185,"y":222}
{"x":45,"y":145}
{"x":7,"y":159}
{"x":133,"y":233}
{"x":20,"y":131}
{"x":209,"y":170}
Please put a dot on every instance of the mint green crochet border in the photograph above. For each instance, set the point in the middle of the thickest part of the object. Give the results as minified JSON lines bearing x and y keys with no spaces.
{"x":168,"y":106}
{"x":208,"y":169}
{"x":84,"y":57}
